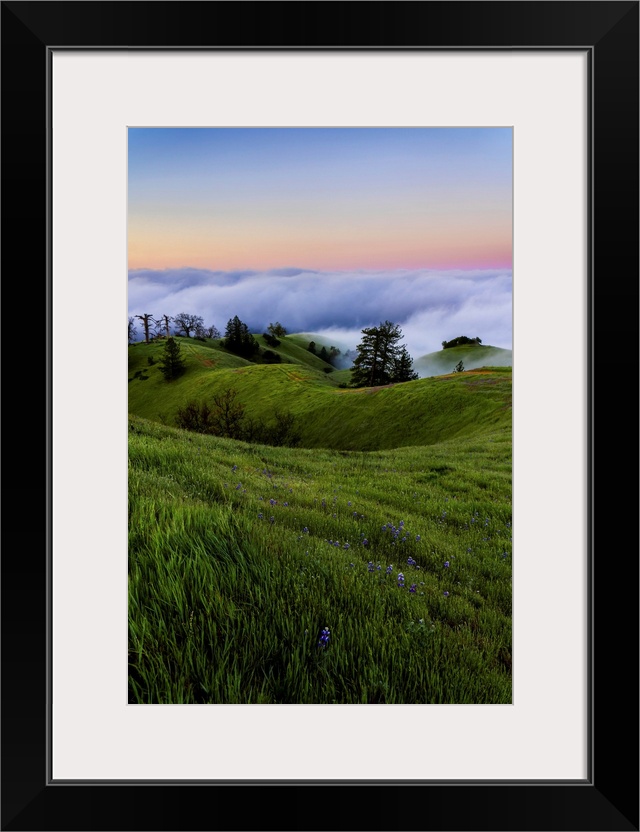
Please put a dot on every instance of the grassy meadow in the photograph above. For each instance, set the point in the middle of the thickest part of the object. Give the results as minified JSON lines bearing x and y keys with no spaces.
{"x":369,"y":564}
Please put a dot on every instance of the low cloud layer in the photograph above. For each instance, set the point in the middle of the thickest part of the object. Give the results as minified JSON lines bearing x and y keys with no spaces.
{"x":429,"y":306}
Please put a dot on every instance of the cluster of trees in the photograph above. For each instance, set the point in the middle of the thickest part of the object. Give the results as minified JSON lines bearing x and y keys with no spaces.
{"x":183,"y":324}
{"x":225,"y":415}
{"x":238,"y":339}
{"x":459,"y":342}
{"x":329,"y":355}
{"x":380,"y":358}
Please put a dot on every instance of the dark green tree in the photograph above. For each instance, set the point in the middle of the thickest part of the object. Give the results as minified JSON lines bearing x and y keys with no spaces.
{"x":403,"y":367}
{"x":238,"y":339}
{"x":312,"y":347}
{"x":459,"y":368}
{"x":377,"y":353}
{"x":171,"y":363}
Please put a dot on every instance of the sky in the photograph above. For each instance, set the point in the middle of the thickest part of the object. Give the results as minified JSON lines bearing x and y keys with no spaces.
{"x":325,"y":229}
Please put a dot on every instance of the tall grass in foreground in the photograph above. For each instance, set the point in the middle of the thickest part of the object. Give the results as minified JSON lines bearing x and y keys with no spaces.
{"x":242,"y":557}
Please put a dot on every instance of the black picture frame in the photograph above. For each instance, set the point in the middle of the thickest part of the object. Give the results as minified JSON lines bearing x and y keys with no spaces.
{"x":608,"y":798}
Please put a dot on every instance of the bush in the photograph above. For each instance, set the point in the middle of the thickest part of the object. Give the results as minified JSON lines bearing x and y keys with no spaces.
{"x":226,"y":417}
{"x":271,"y":339}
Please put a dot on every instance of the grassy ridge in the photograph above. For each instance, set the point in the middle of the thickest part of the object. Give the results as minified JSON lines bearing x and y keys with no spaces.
{"x":240,"y":554}
{"x":421,"y":412}
{"x":472,"y":356}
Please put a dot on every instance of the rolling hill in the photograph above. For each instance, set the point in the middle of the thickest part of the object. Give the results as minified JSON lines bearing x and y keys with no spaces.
{"x":473,"y":356}
{"x":421,"y":412}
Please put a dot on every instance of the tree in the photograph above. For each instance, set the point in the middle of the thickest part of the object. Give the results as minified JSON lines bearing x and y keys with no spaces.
{"x":277,"y":330}
{"x":132,"y":330}
{"x":238,"y":339}
{"x":459,"y":368}
{"x":334,"y":352}
{"x":187,"y":323}
{"x":172,"y":363}
{"x":147,"y":323}
{"x":403,"y":367}
{"x":377,"y":353}
{"x":212,"y":332}
{"x":271,"y":339}
{"x":312,"y":347}
{"x":162,"y":326}
{"x":458,"y":342}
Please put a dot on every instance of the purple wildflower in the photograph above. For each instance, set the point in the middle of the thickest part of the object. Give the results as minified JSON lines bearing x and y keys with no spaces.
{"x":324,"y":637}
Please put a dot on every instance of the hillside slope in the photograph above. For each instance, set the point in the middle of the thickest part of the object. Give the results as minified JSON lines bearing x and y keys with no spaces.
{"x":421,"y":412}
{"x":472,"y":356}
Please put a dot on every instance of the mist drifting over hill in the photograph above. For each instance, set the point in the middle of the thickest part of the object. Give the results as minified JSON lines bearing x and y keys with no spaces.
{"x":430,"y":306}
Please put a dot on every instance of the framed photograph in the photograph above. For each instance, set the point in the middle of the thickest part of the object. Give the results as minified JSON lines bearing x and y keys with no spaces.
{"x":485,"y":151}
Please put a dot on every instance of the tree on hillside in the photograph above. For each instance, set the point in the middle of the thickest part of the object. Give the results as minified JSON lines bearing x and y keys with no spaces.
{"x":460,"y":341}
{"x":277,"y":330}
{"x":212,"y":332}
{"x":162,"y":326}
{"x":172,"y":363}
{"x":271,"y":339}
{"x":187,"y":323}
{"x":380,"y":359}
{"x":403,"y":367}
{"x":132,"y":330}
{"x":238,"y":339}
{"x":459,"y":368}
{"x":147,"y":324}
{"x":334,"y":352}
{"x":312,"y":347}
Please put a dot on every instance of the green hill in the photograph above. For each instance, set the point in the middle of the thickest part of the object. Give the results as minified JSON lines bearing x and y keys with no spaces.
{"x":421,"y":412}
{"x":472,"y":356}
{"x":370,"y":565}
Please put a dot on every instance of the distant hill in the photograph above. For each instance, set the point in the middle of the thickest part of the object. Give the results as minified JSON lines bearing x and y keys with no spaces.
{"x":472,"y":356}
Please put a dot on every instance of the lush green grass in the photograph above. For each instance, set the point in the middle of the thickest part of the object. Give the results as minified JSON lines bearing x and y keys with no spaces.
{"x":229,"y":592}
{"x":240,"y":554}
{"x":420,"y":412}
